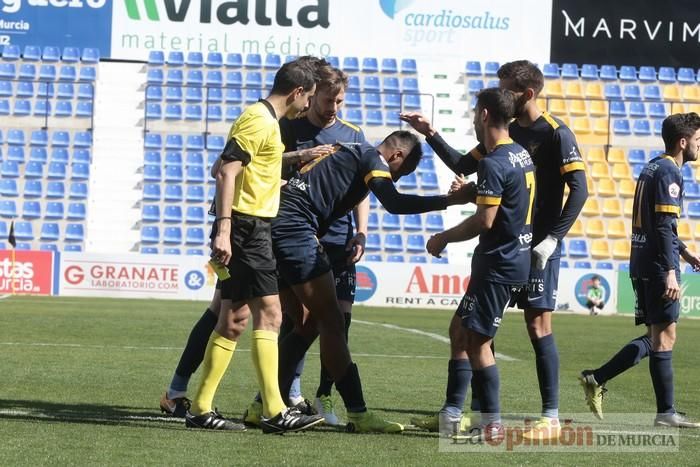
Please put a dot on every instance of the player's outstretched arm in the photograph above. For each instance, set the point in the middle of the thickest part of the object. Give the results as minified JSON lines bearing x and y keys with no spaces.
{"x":401,"y":203}
{"x":303,"y":156}
{"x":480,"y":222}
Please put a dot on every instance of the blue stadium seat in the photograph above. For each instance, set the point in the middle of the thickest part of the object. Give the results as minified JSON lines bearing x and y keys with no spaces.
{"x":632,"y":92}
{"x":27,"y":71}
{"x":589,"y":71}
{"x":192,"y":112}
{"x":194,"y":236}
{"x":51,"y":54}
{"x":411,"y":101}
{"x":657,"y":126}
{"x":175,"y":58}
{"x":195,"y":215}
{"x":252,"y":96}
{"x":692,"y":190}
{"x":76,"y":212}
{"x":15,"y":137}
{"x":374,"y":118}
{"x":15,"y":154}
{"x":195,"y":174}
{"x":413,"y":222}
{"x":373,"y":221}
{"x":194,"y":252}
{"x":442,"y":260}
{"x":354,"y":116}
{"x":49,"y":247}
{"x":434,"y":223}
{"x":172,"y":214}
{"x":153,"y":111}
{"x":6,"y":89}
{"x":657,"y":110}
{"x":636,"y":156}
{"x":60,"y":155}
{"x":195,"y":77}
{"x":370,"y":65}
{"x":3,"y":231}
{"x":9,"y":169}
{"x":90,"y":55}
{"x":73,"y":248}
{"x":151,"y":192}
{"x":173,"y":112}
{"x":415,"y":243}
{"x":8,"y":70}
{"x":172,"y":251}
{"x":4,"y":107}
{"x":83,"y":109}
{"x":393,"y":101}
{"x":372,"y":100}
{"x":149,"y":250}
{"x":173,"y":194}
{"x":429,"y":181}
{"x":82,"y":156}
{"x":351,"y":65}
{"x":408,"y":66}
{"x":24,"y":231}
{"x":612,"y":91}
{"x":80,"y":171}
{"x":637,"y":170}
{"x":22,"y":108}
{"x":273,"y":61}
{"x":11,"y":52}
{"x":215,"y":142}
{"x":234,"y":60}
{"x":652,"y":92}
{"x":647,"y":74}
{"x":8,"y":209}
{"x":353,"y":83}
{"x":472,"y":68}
{"x":233,"y":112}
{"x":57,"y":171}
{"x":578,"y":249}
{"x":173,"y":174}
{"x":373,"y":258}
{"x":150,"y":234}
{"x":65,"y":91}
{"x":393,"y":242}
{"x":686,"y":76}
{"x":667,"y":74}
{"x":156,"y":57}
{"x":641,"y":128}
{"x":374,"y":242}
{"x":389,"y":65}
{"x":395,"y":259}
{"x":174,"y":77}
{"x":417,"y":259}
{"x":88,"y":73}
{"x":253,"y":61}
{"x":475,"y":85}
{"x":49,"y":232}
{"x":569,"y":71}
{"x":8,"y":188}
{"x":38,"y":155}
{"x":371,"y":84}
{"x":34,"y":169}
{"x":194,"y":59}
{"x":687,"y":172}
{"x":55,"y":190}
{"x":409,"y":85}
{"x":47,"y":72}
{"x":605,"y":265}
{"x":214,"y":95}
{"x":390,"y":222}
{"x":151,"y":173}
{"x":174,"y":142}
{"x":60,"y":139}
{"x":83,"y":139}
{"x":54,"y":210}
{"x":214,"y":60}
{"x":638,"y":110}
{"x":233,"y":96}
{"x":628,"y":73}
{"x":390,"y":84}
{"x":63,"y":109}
{"x":550,"y":70}
{"x":352,"y":99}
{"x":172,"y":236}
{"x":25,"y":89}
{"x":582,"y":265}
{"x":694,"y":210}
{"x":31,"y":210}
{"x":173,"y":94}
{"x":214,"y":78}
{"x":622,"y":127}
{"x":150,"y":213}
{"x":67,"y":73}
{"x":154,"y":76}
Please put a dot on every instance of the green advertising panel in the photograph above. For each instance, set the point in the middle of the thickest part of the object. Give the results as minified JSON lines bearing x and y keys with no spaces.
{"x":690,"y":295}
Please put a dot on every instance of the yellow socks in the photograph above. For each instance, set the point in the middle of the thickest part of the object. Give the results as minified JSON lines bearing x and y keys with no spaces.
{"x":266,"y":359}
{"x":216,"y":360}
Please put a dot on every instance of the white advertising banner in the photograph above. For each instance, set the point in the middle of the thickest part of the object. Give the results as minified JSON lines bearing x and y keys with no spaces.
{"x":439,"y":29}
{"x":136,"y":276}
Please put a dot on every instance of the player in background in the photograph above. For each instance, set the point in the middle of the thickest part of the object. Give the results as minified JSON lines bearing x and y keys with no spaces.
{"x":247,"y":198}
{"x":558,"y":162}
{"x":655,"y":272}
{"x":320,"y":127}
{"x":505,"y":194}
{"x":320,"y":193}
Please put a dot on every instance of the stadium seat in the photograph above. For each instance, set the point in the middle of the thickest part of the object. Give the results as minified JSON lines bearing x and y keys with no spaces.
{"x":32,"y":189}
{"x":578,"y":248}
{"x":192,"y":112}
{"x":373,"y":258}
{"x":195,"y":215}
{"x":15,"y":154}
{"x":442,"y":260}
{"x":173,"y":193}
{"x":393,"y":243}
{"x":173,"y":158}
{"x":390,"y":222}
{"x":195,"y":174}
{"x":641,"y":128}
{"x":252,"y":96}
{"x":173,"y":174}
{"x":607,"y":187}
{"x":194,"y":236}
{"x":22,"y":108}
{"x":174,"y":77}
{"x":63,"y":109}
{"x":612,"y":207}
{"x":49,"y":232}
{"x":373,"y":242}
{"x":24,"y":231}
{"x":652,"y":93}
{"x":686,"y":75}
{"x":25,"y":89}
{"x":631,"y":92}
{"x":434,"y":223}
{"x":156,"y":58}
{"x":51,"y":54}
{"x":591,"y":207}
{"x":234,"y":60}
{"x":395,"y":259}
{"x":621,"y":126}
{"x":83,"y":109}
{"x":415,"y":243}
{"x":389,"y":65}
{"x":473,"y":68}
{"x":612,"y":91}
{"x":47,"y":72}
{"x":151,"y":173}
{"x":67,"y":73}
{"x":411,"y":101}
{"x":692,"y":190}
{"x":233,"y":112}
{"x":372,"y":100}
{"x":657,"y":110}
{"x":408,"y":182}
{"x":194,"y":252}
{"x":600,"y":170}
{"x":253,"y":61}
{"x":694,"y":210}
{"x":647,"y":74}
{"x":150,"y":234}
{"x":172,"y":236}
{"x":90,"y":55}
{"x":175,"y":59}
{"x":408,"y":66}
{"x":8,"y":209}
{"x":150,"y":213}
{"x":4,"y":107}
{"x":55,"y":190}
{"x":8,"y":70}
{"x":621,"y":249}
{"x":621,"y":171}
{"x":550,"y":71}
{"x":685,"y":233}
{"x":153,"y":111}
{"x":34,"y":169}
{"x":569,"y":71}
{"x":628,"y":73}
{"x":151,"y":192}
{"x":154,"y":76}
{"x":687,"y":172}
{"x":600,"y":249}
{"x":412,"y":222}
{"x":9,"y":169}
{"x":582,"y":265}
{"x":172,"y":214}
{"x":429,"y":181}
{"x":194,"y":59}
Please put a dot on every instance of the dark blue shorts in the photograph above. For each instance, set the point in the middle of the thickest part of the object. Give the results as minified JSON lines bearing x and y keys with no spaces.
{"x":300,"y":256}
{"x":343,"y":272}
{"x":482,"y":307}
{"x":542,"y":287}
{"x":650,"y":306}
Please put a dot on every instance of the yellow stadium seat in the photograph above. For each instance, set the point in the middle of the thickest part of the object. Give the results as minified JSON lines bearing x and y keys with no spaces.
{"x":565,"y":120}
{"x":595,"y":228}
{"x":671,"y":92}
{"x":612,"y":208}
{"x":557,"y":107}
{"x":541,"y":103}
{"x":629,"y":207}
{"x":621,"y":171}
{"x":595,"y":154}
{"x":594,"y":90}
{"x":677,"y":108}
{"x":607,"y":187}
{"x":627,"y":188}
{"x":621,"y":249}
{"x":616,"y":155}
{"x":600,"y":170}
{"x":553,"y":88}
{"x":684,"y":231}
{"x":576,"y":230}
{"x":598,"y":109}
{"x":693,"y":108}
{"x":591,"y":208}
{"x":601,"y":126}
{"x":617,"y":229}
{"x":578,"y":108}
{"x":582,"y":126}
{"x":600,"y":249}
{"x":590,"y":185}
{"x":697,"y":230}
{"x":574,"y":89}
{"x":691,"y":93}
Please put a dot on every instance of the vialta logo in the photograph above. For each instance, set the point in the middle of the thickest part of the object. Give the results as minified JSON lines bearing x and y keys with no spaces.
{"x":230,"y":12}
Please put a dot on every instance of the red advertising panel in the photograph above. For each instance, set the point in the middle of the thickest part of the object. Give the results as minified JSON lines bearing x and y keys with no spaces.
{"x":26,"y":272}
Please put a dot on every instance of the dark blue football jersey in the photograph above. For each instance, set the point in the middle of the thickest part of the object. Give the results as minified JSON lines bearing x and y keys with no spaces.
{"x":506,"y":178}
{"x":659,"y":192}
{"x":327,"y":188}
{"x":300,"y":133}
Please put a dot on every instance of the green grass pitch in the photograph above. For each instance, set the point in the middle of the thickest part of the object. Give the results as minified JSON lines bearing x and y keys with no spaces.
{"x":81,"y":379}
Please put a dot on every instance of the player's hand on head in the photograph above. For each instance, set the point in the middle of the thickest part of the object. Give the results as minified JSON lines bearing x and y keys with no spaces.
{"x":221,"y":249}
{"x":356,"y":245}
{"x":436,"y":244}
{"x":543,"y":250}
{"x":463,"y":194}
{"x":417,"y":121}
{"x":673,"y":290}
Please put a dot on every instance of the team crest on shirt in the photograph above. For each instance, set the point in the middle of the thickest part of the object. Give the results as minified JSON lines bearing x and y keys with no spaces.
{"x":674,"y":190}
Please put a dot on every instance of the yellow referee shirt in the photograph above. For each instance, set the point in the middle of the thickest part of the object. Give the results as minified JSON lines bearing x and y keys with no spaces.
{"x":257,"y":190}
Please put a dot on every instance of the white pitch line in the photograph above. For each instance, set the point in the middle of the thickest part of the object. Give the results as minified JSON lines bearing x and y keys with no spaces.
{"x":431,"y":335}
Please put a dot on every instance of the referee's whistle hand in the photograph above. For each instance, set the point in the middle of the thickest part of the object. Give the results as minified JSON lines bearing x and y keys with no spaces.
{"x":221,"y":249}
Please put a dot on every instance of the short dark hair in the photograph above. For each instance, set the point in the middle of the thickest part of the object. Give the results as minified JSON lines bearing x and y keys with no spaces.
{"x":500,"y":104}
{"x":678,"y":126}
{"x":410,"y":144}
{"x":595,"y":278}
{"x":298,"y":73}
{"x":524,"y":74}
{"x":332,"y":79}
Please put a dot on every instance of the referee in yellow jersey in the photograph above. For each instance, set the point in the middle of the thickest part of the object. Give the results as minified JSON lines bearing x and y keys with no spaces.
{"x":247,"y":198}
